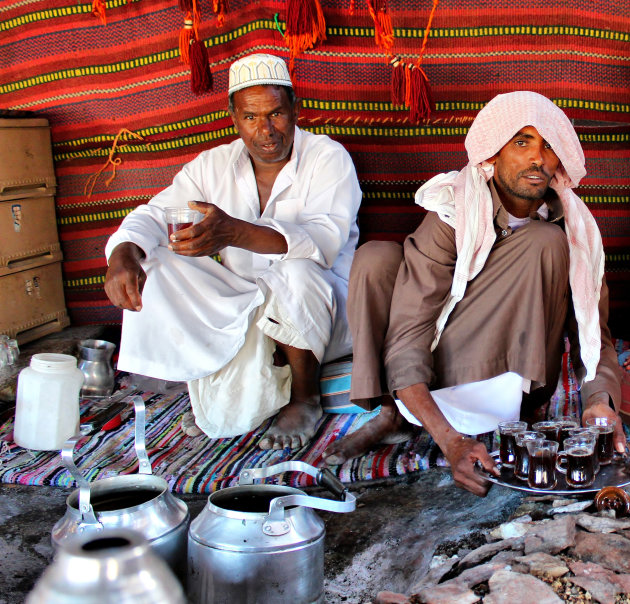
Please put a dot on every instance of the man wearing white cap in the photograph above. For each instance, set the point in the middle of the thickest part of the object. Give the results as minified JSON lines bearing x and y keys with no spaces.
{"x":468,"y":326}
{"x":248,"y":333}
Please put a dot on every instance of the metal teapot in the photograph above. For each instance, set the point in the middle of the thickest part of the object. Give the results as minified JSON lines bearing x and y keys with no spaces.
{"x":141,"y":502}
{"x":114,"y":566}
{"x":262,"y":544}
{"x":95,"y":358}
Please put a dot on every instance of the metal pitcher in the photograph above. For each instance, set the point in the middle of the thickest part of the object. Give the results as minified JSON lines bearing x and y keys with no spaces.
{"x":115,"y":566}
{"x":262,"y":544}
{"x":95,"y":361}
{"x":139,"y":502}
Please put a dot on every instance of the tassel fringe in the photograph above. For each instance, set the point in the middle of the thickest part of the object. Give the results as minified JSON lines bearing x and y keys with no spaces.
{"x":200,"y":75}
{"x":383,"y":30}
{"x":306,"y":27}
{"x":99,"y":10}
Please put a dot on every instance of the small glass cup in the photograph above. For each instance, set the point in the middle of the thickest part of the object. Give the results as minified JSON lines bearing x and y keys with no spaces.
{"x":566,"y":423}
{"x":507,"y":431}
{"x":606,"y":428}
{"x":178,"y":218}
{"x":521,"y":461}
{"x":577,"y":461}
{"x":542,"y":464}
{"x":591,"y":433}
{"x":13,"y":351}
{"x":550,"y":428}
{"x":4,"y":350}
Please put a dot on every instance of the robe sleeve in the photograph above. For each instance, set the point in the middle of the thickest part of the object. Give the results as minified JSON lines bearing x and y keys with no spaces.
{"x":146,"y":225}
{"x":608,"y":373}
{"x":330,"y":199}
{"x":421,"y":289}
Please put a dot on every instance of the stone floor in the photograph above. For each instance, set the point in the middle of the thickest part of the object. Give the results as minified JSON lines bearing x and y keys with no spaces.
{"x":386,"y":544}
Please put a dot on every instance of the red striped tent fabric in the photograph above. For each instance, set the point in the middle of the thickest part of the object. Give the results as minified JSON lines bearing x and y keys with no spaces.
{"x":91,"y":80}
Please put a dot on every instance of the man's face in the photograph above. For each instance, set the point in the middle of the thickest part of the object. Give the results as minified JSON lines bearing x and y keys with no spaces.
{"x":525,"y":166}
{"x":265,"y":120}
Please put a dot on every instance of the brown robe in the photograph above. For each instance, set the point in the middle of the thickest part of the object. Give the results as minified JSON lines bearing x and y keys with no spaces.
{"x":513,"y":316}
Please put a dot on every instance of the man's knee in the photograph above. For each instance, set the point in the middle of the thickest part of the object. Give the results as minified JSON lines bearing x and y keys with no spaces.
{"x":376,"y":261}
{"x":549,"y":243}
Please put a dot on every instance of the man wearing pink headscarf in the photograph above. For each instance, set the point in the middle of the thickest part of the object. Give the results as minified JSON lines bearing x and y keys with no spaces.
{"x":464,"y":326}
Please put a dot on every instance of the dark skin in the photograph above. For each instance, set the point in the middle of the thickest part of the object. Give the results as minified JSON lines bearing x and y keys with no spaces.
{"x":265,"y":120}
{"x":524,"y":168}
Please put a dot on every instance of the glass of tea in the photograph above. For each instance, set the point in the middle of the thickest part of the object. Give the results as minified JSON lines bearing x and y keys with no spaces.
{"x":521,"y":461}
{"x":605,"y":428}
{"x":566,"y":423}
{"x":507,"y":444}
{"x":577,"y":461}
{"x":592,"y":434}
{"x":179,"y":218}
{"x":550,"y":428}
{"x":542,"y":464}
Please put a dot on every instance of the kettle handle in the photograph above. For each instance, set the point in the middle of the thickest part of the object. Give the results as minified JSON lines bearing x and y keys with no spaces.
{"x":323,"y":476}
{"x":144,"y":466}
{"x":275,"y":523}
{"x":88,"y":517}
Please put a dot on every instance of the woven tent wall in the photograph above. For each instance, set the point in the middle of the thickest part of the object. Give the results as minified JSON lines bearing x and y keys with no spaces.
{"x":90,"y":80}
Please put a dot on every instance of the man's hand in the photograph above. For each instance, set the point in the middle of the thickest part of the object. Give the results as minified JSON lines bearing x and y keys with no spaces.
{"x":597,"y":406}
{"x":462,"y":454}
{"x":125,"y":277}
{"x":217,"y":230}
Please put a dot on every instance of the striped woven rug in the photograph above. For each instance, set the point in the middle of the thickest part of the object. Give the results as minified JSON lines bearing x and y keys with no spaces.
{"x":202,"y":465}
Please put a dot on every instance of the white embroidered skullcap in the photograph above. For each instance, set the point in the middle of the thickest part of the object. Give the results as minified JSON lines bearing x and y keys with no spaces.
{"x":258,"y":70}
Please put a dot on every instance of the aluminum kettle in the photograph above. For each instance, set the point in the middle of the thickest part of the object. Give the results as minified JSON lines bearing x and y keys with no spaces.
{"x":114,"y":566}
{"x":260,"y":543}
{"x":141,"y":502}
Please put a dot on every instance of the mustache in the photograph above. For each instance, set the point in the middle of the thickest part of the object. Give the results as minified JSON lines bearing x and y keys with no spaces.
{"x":537,"y":170}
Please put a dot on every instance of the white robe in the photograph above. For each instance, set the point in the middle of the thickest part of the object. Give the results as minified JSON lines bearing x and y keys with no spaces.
{"x":196,"y":312}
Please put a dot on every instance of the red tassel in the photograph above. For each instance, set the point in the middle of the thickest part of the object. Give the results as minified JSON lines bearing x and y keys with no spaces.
{"x":398,"y":81}
{"x":352,"y":7}
{"x":99,"y":10}
{"x":420,"y":104}
{"x":185,"y":5}
{"x":186,"y":36}
{"x":219,"y":8}
{"x":200,"y":75}
{"x":383,"y":30}
{"x":306,"y":27}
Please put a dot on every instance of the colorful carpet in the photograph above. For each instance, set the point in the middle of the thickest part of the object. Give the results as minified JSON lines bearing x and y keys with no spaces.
{"x":90,"y":80}
{"x":201,"y":465}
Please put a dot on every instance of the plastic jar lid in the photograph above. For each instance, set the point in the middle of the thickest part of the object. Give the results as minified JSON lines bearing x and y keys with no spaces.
{"x":52,"y":362}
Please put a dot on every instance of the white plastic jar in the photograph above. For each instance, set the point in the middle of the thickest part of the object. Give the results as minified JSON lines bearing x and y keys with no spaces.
{"x":47,"y":406}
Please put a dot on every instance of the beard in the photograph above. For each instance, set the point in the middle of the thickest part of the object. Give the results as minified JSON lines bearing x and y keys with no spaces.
{"x":519,"y":188}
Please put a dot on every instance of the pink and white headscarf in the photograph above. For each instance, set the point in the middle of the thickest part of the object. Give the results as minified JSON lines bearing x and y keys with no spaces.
{"x":463,"y":200}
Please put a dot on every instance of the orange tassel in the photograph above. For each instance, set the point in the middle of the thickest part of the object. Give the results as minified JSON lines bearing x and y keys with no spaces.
{"x":99,"y":10}
{"x":398,"y":81}
{"x":383,"y":30}
{"x":420,"y":104}
{"x":219,"y":8}
{"x":200,"y":75}
{"x":352,"y":7}
{"x":186,"y":36}
{"x":306,"y":27}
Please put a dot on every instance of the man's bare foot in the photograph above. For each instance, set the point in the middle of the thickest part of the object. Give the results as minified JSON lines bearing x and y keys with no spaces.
{"x":388,"y":427}
{"x":294,"y":425}
{"x":189,"y":425}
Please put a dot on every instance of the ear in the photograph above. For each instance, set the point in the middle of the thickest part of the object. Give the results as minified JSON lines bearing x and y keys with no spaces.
{"x":492,"y":160}
{"x":233,"y":120}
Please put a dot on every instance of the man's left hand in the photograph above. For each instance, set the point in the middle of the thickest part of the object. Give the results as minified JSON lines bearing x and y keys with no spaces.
{"x":217,"y":230}
{"x":597,"y":406}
